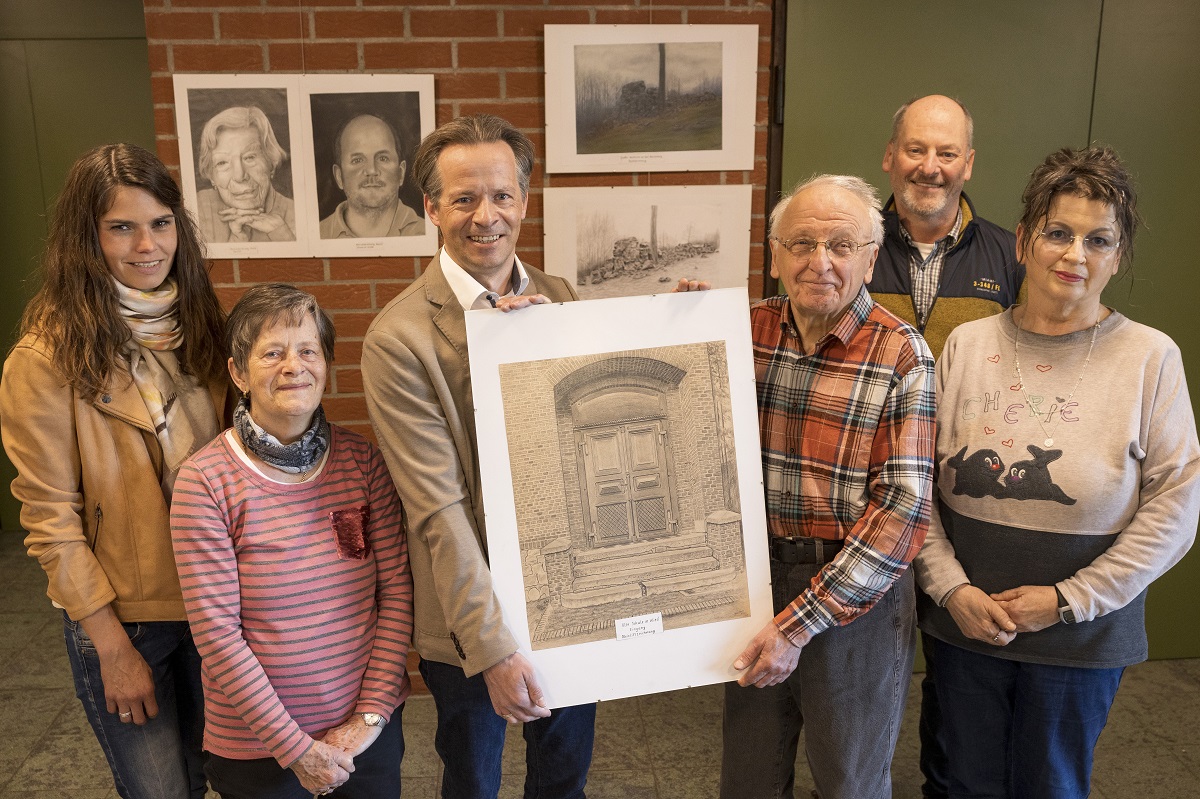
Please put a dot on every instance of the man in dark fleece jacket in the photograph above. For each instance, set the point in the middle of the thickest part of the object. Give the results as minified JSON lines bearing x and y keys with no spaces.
{"x":940,"y":265}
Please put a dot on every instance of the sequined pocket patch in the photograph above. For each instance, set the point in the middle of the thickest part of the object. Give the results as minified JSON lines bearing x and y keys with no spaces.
{"x":349,"y":526}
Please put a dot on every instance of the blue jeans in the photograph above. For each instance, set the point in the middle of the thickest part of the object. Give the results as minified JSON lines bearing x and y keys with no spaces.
{"x":848,"y":691}
{"x":1018,"y":730}
{"x":376,"y":772}
{"x":161,"y":759}
{"x":470,"y":741}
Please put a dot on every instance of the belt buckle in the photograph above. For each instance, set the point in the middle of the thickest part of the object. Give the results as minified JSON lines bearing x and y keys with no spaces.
{"x":784,"y":550}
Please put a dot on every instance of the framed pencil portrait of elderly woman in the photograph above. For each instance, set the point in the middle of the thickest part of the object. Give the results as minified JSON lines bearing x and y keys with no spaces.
{"x":238,"y":142}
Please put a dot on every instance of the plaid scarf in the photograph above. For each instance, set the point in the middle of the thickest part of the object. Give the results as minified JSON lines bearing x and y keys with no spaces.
{"x":180,"y":410}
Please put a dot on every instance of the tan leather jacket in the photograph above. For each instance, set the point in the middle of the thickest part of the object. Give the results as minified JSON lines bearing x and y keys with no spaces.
{"x":88,"y":479}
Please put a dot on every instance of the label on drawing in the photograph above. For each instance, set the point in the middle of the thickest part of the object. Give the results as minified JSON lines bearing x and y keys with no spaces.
{"x":634,"y":626}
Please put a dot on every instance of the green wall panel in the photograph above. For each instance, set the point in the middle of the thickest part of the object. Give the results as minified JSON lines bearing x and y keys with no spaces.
{"x":23,"y":223}
{"x":61,"y":94}
{"x":1148,"y":107}
{"x":72,"y":19}
{"x":1025,"y":76}
{"x":87,"y":93}
{"x":1036,"y":76}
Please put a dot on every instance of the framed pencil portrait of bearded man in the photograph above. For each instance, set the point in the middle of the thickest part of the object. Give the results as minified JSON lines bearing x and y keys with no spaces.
{"x":364,"y":132}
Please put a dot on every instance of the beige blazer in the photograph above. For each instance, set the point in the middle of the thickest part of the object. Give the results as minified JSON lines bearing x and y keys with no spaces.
{"x":418,"y":387}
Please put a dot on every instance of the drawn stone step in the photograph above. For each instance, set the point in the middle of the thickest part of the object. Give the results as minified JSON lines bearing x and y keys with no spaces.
{"x":639,"y":562}
{"x":639,"y":573}
{"x":598,"y":596}
{"x":640,"y":548}
{"x":683,"y":582}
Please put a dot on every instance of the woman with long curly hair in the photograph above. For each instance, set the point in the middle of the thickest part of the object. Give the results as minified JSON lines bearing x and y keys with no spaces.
{"x":118,"y":377}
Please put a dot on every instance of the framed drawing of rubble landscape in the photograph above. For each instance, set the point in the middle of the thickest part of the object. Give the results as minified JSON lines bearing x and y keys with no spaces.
{"x":650,"y":98}
{"x":626,"y":240}
{"x":239,"y":153}
{"x":618,"y":447}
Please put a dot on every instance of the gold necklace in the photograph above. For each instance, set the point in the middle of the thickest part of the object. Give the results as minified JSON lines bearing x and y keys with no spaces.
{"x":1049,"y":442}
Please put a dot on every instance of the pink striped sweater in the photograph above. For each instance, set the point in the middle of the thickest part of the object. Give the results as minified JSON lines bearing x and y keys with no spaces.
{"x":299,"y":596}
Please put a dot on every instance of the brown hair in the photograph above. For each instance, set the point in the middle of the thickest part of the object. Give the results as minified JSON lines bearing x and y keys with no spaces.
{"x":264,"y":306}
{"x":75,"y":310}
{"x":1094,"y":173}
{"x":475,"y":129}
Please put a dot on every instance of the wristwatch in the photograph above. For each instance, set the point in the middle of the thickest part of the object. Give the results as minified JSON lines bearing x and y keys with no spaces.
{"x":372,"y":719}
{"x":1065,"y":614}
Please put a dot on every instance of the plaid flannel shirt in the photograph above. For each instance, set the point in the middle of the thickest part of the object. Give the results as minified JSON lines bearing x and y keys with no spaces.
{"x":927,"y":273}
{"x":847,"y":439}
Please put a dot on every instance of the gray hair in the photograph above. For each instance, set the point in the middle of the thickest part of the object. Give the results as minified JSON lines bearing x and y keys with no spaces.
{"x":235,"y":118}
{"x":474,"y":129}
{"x":898,"y":119}
{"x":264,"y":306}
{"x":855,"y":185}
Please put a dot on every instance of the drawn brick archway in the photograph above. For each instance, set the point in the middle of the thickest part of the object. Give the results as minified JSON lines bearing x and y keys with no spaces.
{"x":618,"y":409}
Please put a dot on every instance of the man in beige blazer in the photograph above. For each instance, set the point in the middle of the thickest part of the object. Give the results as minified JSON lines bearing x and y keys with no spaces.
{"x":474,"y":172}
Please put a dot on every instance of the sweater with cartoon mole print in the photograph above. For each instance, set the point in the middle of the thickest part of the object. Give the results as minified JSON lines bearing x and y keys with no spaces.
{"x":1095,"y":492}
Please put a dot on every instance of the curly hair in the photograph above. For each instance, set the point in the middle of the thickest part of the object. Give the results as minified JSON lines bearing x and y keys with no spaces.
{"x":1094,"y":173}
{"x":75,"y":310}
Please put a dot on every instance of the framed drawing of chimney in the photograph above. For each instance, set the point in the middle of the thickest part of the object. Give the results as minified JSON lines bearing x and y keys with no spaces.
{"x":650,"y":98}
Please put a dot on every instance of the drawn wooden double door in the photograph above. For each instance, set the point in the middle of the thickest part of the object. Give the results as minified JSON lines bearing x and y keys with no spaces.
{"x":627,"y":480}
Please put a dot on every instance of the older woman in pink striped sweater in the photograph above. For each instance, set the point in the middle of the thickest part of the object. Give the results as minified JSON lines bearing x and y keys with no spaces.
{"x":292,"y":557}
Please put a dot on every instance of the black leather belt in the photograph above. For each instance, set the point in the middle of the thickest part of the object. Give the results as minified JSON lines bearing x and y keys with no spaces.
{"x":801,"y":549}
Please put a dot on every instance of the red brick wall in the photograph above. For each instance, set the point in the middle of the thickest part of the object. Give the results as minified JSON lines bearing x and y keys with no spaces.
{"x":486,"y":56}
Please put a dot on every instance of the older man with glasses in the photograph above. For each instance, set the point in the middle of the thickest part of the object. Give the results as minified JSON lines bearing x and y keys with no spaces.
{"x":846,"y":418}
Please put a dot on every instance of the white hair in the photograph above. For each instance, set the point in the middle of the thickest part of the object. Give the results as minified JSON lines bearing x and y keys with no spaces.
{"x":855,"y":185}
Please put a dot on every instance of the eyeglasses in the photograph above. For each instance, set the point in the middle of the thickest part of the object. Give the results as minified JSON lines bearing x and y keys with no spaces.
{"x":840,"y":250}
{"x":1058,"y":241}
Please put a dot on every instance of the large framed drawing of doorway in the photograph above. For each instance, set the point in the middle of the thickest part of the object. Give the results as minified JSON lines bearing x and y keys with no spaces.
{"x":618,"y":446}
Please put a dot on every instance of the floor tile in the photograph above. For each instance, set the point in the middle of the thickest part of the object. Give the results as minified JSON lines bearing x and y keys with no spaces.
{"x":702,"y":699}
{"x":675,"y":740}
{"x":420,"y":757}
{"x":419,"y":787}
{"x":42,"y":663}
{"x":701,"y":782}
{"x":34,"y":713}
{"x":665,"y":746}
{"x":58,"y":794}
{"x":621,"y":744}
{"x":622,"y":784}
{"x":618,"y":708}
{"x":70,"y":741}
{"x":1144,"y":774}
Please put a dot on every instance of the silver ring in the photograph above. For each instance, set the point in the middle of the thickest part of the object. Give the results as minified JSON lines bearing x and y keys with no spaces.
{"x":128,"y":715}
{"x":996,"y":638}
